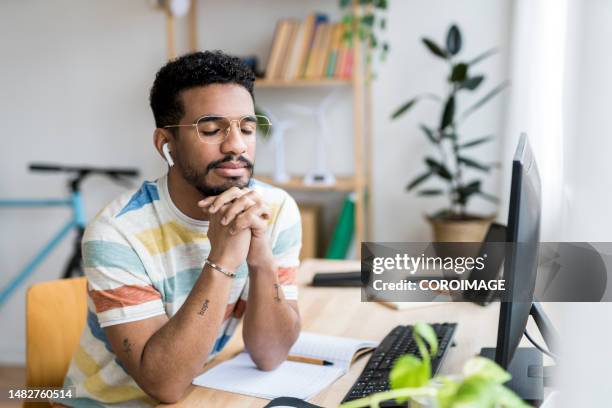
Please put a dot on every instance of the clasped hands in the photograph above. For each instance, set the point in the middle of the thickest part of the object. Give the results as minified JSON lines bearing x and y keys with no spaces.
{"x":237,"y":231}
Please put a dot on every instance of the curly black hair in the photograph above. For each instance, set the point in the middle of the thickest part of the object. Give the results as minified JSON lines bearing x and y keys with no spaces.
{"x":189,"y":71}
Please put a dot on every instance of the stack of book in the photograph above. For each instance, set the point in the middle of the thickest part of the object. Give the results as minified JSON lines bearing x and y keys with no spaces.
{"x":309,"y":49}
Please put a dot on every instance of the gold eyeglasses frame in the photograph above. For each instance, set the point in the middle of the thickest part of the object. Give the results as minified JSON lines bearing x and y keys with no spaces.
{"x":261,"y":122}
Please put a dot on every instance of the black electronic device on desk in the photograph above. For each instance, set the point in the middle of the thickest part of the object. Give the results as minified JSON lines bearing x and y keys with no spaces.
{"x":493,"y":267}
{"x":399,"y":341}
{"x":346,"y":279}
{"x":525,"y":364}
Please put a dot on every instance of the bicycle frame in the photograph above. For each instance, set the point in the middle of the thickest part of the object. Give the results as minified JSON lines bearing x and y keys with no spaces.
{"x":77,"y":220}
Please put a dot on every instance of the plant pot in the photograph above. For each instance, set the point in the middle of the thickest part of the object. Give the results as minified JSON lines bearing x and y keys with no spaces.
{"x":470,"y":229}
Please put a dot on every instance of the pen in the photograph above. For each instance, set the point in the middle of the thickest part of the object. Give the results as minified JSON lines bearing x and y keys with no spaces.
{"x":300,"y":359}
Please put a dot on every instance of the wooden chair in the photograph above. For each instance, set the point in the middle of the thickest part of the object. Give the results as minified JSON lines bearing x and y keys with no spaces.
{"x":56,"y":313}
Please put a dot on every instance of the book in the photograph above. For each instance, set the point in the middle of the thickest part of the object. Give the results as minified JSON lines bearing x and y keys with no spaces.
{"x":347,"y":69}
{"x":295,"y":52}
{"x":294,"y":26}
{"x":279,"y":45}
{"x":315,"y":51}
{"x":343,"y":52}
{"x":336,"y":42}
{"x":344,"y":230}
{"x":290,"y":379}
{"x":275,"y":50}
{"x":323,"y":51}
{"x":309,"y":25}
{"x":316,"y":20}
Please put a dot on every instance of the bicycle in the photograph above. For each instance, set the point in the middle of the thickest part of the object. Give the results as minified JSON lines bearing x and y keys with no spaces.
{"x":76,"y":222}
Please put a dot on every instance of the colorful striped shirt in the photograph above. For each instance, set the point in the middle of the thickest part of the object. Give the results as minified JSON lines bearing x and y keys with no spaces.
{"x":142,"y":256}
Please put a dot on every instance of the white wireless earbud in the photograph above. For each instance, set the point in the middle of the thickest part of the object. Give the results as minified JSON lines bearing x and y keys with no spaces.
{"x":166,"y":150}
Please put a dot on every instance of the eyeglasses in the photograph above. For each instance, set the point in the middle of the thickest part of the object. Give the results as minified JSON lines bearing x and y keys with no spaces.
{"x":213,"y":129}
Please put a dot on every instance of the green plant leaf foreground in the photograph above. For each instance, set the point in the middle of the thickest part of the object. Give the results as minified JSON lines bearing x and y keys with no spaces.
{"x":408,"y":372}
{"x":426,"y":332}
{"x":487,"y":369}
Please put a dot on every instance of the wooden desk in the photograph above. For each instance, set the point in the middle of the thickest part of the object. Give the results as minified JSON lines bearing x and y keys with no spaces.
{"x":340,"y":312}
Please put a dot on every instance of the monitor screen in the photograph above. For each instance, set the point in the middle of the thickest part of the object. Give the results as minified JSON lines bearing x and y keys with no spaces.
{"x":520,"y":268}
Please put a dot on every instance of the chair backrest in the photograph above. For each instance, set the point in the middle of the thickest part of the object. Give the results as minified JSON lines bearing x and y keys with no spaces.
{"x":56,"y":313}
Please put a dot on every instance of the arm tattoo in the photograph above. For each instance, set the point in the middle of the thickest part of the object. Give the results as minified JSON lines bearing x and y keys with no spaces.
{"x":277,"y":297}
{"x":204,"y":308}
{"x":127,"y":346}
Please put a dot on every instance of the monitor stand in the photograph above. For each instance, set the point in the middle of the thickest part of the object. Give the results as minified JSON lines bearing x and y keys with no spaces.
{"x":527,"y":373}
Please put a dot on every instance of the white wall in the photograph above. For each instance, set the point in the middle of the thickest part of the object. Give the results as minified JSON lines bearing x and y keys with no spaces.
{"x":75,"y":77}
{"x":588,"y":141}
{"x":587,"y":194}
{"x":399,"y":146}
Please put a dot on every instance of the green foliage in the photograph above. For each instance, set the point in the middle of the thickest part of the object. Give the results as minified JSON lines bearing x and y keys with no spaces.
{"x":453,"y":40}
{"x":409,"y":372}
{"x":459,"y":73}
{"x":448,"y":115}
{"x":481,"y":385}
{"x":435,"y":48}
{"x":453,"y":164}
{"x":472,"y":83}
{"x":438,"y":168}
{"x":400,"y":111}
{"x":366,"y":20}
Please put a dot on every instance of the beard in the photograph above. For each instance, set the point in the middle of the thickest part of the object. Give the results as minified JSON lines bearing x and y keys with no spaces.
{"x":197,"y":177}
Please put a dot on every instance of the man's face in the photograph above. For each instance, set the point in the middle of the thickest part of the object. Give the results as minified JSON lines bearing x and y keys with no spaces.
{"x":214,"y":168}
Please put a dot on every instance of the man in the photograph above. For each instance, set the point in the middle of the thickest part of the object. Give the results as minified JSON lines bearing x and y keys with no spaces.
{"x":173,"y":267}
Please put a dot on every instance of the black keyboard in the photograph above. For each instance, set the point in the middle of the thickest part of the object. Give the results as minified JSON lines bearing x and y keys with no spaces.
{"x":399,"y":341}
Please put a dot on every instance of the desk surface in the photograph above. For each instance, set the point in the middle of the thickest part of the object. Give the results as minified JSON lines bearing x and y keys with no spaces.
{"x":340,"y":312}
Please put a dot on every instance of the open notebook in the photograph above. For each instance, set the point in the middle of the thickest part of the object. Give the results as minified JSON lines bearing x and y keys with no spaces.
{"x":290,"y":379}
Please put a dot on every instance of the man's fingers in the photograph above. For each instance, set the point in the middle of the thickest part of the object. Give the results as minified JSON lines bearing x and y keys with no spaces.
{"x":226,"y":197}
{"x":236,"y":207}
{"x":252,"y":198}
{"x":206,"y":202}
{"x":255,"y":218}
{"x":266,"y":213}
{"x":255,"y":196}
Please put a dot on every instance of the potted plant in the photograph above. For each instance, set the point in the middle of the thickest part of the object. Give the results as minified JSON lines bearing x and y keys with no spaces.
{"x":453,"y":162}
{"x":479,"y":386}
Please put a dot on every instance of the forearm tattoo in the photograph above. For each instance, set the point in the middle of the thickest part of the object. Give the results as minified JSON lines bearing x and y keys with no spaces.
{"x":277,"y":297}
{"x":127,"y":346}
{"x":204,"y":308}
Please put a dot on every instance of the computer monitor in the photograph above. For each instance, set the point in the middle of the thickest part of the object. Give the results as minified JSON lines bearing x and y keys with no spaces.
{"x":520,"y":272}
{"x":521,"y":266}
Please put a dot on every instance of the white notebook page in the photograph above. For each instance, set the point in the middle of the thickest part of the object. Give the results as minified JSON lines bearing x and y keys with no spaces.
{"x":290,"y":379}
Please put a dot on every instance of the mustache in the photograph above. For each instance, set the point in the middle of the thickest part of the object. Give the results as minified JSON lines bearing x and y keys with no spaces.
{"x":217,"y":163}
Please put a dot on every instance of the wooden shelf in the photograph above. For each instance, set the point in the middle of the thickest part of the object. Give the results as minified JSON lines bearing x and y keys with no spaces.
{"x":343,"y":183}
{"x":296,"y":83}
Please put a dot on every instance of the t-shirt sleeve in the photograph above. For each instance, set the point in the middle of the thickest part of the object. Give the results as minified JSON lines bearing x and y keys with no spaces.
{"x":287,"y":243}
{"x":119,"y":288}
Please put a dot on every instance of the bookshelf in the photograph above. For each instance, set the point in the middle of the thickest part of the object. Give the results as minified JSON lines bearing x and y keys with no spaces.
{"x":296,"y":83}
{"x":360,"y":182}
{"x":343,"y":183}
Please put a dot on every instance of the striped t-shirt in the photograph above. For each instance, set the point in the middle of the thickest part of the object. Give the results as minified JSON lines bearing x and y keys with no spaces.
{"x":142,"y":257}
